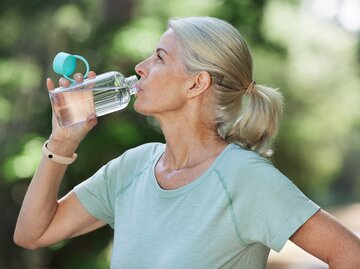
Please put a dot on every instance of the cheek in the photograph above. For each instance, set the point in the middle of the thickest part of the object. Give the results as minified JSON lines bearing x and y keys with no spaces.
{"x":164,"y":91}
{"x":158,"y":101}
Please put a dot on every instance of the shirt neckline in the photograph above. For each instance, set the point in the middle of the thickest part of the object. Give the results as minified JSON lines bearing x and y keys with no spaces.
{"x":182,"y":190}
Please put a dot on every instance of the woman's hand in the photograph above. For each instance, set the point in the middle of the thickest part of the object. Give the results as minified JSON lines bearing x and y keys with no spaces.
{"x":73,"y":135}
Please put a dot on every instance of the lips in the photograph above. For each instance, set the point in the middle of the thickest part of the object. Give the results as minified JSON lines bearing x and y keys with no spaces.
{"x":139,"y":88}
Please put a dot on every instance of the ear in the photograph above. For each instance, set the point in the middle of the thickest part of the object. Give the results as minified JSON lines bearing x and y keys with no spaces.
{"x":199,"y":84}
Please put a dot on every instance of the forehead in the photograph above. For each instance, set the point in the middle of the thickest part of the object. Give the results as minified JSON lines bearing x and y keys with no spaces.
{"x":169,"y":42}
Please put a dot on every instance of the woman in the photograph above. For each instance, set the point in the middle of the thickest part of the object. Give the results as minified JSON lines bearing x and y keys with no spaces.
{"x":208,"y":198}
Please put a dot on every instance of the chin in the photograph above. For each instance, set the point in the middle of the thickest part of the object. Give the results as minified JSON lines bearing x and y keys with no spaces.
{"x":141,"y":110}
{"x":149,"y":108}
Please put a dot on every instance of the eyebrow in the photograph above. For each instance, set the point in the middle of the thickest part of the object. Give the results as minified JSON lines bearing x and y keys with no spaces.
{"x":161,"y":49}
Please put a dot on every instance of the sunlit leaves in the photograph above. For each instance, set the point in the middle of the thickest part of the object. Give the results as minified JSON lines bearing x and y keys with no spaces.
{"x":138,"y":39}
{"x":23,"y":165}
{"x":11,"y":26}
{"x":5,"y":109}
{"x":322,"y":89}
{"x":71,"y":18}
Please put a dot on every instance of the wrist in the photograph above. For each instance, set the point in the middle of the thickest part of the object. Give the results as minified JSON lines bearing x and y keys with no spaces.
{"x":64,"y":148}
{"x":57,"y":158}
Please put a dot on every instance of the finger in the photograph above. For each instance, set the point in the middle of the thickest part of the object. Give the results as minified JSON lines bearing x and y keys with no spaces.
{"x":78,"y":77}
{"x":50,"y":84}
{"x":91,"y":74}
{"x":91,"y":121}
{"x":63,"y":82}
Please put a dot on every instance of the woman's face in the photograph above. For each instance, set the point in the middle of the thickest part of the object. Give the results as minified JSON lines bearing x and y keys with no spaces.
{"x":162,"y":87}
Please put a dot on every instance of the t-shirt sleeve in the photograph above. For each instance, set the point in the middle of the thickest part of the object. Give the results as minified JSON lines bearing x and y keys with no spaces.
{"x":95,"y":195}
{"x":269,"y":207}
{"x":98,"y":193}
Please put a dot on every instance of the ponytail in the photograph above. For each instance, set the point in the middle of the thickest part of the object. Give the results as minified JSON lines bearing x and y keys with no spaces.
{"x":255,"y":126}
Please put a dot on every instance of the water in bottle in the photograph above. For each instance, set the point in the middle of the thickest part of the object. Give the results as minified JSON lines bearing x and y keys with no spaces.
{"x":104,"y":94}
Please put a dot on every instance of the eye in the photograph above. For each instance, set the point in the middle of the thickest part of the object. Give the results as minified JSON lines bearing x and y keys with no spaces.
{"x":159,"y":56}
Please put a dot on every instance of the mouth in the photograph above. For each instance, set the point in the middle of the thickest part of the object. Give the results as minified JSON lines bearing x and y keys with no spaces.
{"x":139,"y":88}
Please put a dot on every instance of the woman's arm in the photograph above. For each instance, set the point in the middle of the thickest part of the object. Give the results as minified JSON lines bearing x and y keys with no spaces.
{"x":43,"y":220}
{"x":325,"y":238}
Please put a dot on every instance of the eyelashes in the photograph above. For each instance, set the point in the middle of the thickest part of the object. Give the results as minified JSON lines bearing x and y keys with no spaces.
{"x":159,"y":56}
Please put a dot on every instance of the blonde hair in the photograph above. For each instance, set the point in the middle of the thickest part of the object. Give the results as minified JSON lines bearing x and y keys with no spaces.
{"x":215,"y":46}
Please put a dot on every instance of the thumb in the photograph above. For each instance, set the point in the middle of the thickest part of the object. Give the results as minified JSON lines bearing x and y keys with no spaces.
{"x":50,"y":84}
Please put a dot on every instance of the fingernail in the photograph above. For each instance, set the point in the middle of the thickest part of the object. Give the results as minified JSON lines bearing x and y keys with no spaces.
{"x":78,"y":76}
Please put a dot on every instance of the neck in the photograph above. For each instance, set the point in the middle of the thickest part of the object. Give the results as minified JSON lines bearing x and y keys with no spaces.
{"x":189,"y":142}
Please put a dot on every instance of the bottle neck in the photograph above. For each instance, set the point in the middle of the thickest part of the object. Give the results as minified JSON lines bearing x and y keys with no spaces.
{"x":132,"y":84}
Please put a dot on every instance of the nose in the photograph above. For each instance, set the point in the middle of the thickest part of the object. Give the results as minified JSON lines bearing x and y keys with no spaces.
{"x":140,"y":69}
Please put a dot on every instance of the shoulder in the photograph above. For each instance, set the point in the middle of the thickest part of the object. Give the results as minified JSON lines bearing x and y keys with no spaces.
{"x":113,"y":177}
{"x":265,"y":201}
{"x":243,"y":170}
{"x":242,"y":155}
{"x":239,"y":160}
{"x":120,"y":171}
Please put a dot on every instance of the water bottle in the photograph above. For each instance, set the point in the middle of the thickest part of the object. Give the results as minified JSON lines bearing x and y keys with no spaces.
{"x":104,"y":94}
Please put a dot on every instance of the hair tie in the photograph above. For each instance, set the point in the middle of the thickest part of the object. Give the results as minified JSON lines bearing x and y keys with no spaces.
{"x":250,"y":87}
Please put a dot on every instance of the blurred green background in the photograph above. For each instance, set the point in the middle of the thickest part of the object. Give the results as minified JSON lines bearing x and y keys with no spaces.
{"x":307,"y":48}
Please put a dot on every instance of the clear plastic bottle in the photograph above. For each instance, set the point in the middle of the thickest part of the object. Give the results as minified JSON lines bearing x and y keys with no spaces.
{"x":104,"y":94}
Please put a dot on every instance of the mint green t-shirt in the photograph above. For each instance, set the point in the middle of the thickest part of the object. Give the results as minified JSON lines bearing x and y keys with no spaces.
{"x":229,"y":217}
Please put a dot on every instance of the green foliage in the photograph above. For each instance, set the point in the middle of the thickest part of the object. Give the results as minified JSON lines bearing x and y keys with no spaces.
{"x":315,"y":63}
{"x":319,"y":77}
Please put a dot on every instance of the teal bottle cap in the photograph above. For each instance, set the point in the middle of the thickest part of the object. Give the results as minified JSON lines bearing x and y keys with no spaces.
{"x":65,"y":64}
